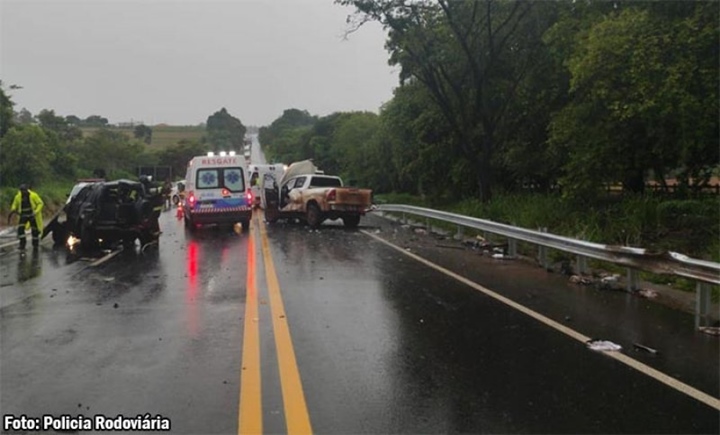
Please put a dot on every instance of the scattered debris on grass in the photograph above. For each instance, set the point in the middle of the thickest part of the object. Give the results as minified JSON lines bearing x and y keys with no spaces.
{"x":610,"y":279}
{"x":648,"y":294}
{"x":577,"y":279}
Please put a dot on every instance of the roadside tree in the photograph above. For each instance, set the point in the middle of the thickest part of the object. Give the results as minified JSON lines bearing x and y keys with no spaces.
{"x":26,"y":155}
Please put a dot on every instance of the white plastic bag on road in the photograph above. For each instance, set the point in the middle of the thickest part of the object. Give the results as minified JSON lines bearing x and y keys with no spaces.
{"x":603,"y":346}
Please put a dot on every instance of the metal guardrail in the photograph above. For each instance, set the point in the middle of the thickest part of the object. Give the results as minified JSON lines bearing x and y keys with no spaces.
{"x":634,"y":259}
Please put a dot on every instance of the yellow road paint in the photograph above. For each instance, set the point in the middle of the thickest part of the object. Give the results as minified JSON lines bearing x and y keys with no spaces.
{"x":250,"y":412}
{"x":296,"y":413}
{"x":635,"y":364}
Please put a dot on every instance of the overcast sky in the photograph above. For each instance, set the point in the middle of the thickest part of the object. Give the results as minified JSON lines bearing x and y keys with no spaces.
{"x":177,"y":62}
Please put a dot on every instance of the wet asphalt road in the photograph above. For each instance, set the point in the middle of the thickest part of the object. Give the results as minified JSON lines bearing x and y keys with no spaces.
{"x":336,"y":331}
{"x":382,"y":343}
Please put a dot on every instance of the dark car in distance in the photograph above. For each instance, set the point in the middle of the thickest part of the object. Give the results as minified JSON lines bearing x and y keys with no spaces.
{"x":103,"y":214}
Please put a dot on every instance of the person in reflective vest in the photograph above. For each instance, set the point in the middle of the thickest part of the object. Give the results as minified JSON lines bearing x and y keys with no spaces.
{"x":28,"y":205}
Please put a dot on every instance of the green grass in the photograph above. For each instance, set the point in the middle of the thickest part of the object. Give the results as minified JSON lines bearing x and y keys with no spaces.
{"x":163,"y":135}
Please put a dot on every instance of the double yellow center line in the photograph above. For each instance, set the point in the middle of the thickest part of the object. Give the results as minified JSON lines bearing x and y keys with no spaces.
{"x":297,"y":418}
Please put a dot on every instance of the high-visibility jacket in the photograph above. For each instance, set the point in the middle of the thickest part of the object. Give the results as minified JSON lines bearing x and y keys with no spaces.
{"x":36,"y":205}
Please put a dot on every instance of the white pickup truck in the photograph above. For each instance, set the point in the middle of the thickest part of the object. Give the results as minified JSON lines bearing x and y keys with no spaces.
{"x":315,"y":197}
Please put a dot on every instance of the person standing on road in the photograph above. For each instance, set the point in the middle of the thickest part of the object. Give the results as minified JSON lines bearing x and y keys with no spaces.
{"x":28,"y":205}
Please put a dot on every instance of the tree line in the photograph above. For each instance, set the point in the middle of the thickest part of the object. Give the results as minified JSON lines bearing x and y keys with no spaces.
{"x":47,"y":147}
{"x":495,"y":95}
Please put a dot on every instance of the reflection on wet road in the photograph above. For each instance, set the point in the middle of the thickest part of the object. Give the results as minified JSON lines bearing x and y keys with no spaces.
{"x":286,"y":329}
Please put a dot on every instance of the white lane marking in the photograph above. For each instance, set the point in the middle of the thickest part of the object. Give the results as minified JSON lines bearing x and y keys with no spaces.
{"x":630,"y":362}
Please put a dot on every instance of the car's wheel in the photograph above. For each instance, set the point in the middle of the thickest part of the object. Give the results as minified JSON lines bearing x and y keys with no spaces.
{"x":313,"y":217}
{"x":351,"y":221}
{"x":129,"y":243}
{"x":175,"y":199}
{"x":59,"y":234}
{"x":87,"y":237}
{"x":189,"y":224}
{"x":146,"y":237}
{"x":245,"y":225}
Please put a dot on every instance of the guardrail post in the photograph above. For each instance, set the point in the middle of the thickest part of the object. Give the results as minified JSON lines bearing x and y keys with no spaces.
{"x":702,"y":304}
{"x":403,"y":219}
{"x":427,"y":225}
{"x":512,"y":247}
{"x":632,"y":279}
{"x":581,"y":263}
{"x":459,"y":233}
{"x":542,"y":251}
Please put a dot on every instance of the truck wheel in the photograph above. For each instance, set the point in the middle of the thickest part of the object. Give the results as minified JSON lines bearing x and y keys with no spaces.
{"x":313,"y":216}
{"x":245,"y":225}
{"x":351,"y":221}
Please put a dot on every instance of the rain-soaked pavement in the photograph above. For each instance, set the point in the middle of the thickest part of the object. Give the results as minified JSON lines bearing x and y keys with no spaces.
{"x":382,"y":343}
{"x":351,"y":336}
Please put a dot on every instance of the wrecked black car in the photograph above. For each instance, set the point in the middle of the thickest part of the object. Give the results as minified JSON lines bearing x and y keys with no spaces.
{"x":103,"y":214}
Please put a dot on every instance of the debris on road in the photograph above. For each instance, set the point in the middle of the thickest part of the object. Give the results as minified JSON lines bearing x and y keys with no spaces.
{"x":421,"y":231}
{"x":448,"y":246}
{"x":645,"y":348}
{"x":711,"y":330}
{"x":603,"y":346}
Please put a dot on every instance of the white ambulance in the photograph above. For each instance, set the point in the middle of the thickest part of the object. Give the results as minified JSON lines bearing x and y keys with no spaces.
{"x":262,"y":176}
{"x":217,"y":191}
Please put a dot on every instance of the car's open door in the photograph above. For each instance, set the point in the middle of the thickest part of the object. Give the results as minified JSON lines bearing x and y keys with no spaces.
{"x":270,"y":198}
